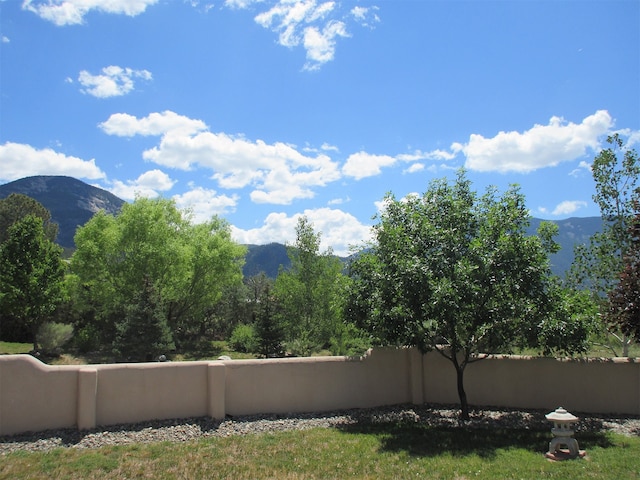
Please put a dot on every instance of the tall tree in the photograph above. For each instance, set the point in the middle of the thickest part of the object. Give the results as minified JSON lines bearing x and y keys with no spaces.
{"x":31,"y":275}
{"x":597,"y":265}
{"x":451,"y":272}
{"x":143,"y":333}
{"x":16,"y":207}
{"x":268,"y":326}
{"x":188,"y":265}
{"x":308,"y":292}
{"x":624,"y":299}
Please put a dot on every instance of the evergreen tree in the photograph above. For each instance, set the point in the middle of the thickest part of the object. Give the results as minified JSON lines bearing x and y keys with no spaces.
{"x":143,"y":333}
{"x":268,"y":327}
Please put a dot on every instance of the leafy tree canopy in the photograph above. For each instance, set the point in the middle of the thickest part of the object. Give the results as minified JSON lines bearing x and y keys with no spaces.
{"x":150,"y":240}
{"x":16,"y":207}
{"x":309,"y":293}
{"x":597,"y":265}
{"x":457,"y":273}
{"x":31,"y":275}
{"x":624,"y":299}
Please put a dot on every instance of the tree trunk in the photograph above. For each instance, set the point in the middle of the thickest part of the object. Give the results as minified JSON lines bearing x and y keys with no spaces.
{"x":464,"y":405}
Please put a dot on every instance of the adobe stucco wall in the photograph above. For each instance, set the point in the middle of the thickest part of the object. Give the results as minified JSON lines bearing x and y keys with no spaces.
{"x":592,"y":385}
{"x":35,"y":396}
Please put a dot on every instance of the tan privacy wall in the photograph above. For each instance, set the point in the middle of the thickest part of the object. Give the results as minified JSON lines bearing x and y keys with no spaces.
{"x":35,"y":396}
{"x":591,"y":385}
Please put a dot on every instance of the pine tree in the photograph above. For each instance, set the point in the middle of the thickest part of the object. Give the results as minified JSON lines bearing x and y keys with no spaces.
{"x":143,"y":334}
{"x":268,"y":328}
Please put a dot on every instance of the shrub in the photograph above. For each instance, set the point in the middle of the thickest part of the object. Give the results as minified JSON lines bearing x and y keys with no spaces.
{"x":87,"y":339}
{"x":244,"y":339}
{"x":53,"y":336}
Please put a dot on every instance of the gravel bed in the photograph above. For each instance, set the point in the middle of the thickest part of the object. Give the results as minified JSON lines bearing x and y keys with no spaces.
{"x":182,"y":430}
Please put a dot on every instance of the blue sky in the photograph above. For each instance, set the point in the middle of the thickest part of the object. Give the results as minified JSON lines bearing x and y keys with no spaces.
{"x":262,"y":110}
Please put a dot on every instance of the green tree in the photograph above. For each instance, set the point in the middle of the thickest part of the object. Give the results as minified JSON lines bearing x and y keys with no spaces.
{"x":267,"y":325}
{"x":143,"y":333}
{"x":308,"y":292}
{"x":16,"y":207}
{"x":31,"y":275}
{"x":455,"y":273}
{"x":624,"y":299}
{"x":188,"y":265}
{"x":598,"y":264}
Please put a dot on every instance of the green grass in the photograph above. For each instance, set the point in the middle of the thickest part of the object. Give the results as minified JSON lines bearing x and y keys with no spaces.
{"x":357,"y":451}
{"x":14,"y":347}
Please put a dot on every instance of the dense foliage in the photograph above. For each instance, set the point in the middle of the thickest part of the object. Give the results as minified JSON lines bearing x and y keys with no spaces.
{"x":188,"y":267}
{"x":31,"y":276}
{"x":16,"y":207}
{"x":457,"y":273}
{"x":310,"y":293}
{"x":624,"y":299}
{"x":597,"y":265}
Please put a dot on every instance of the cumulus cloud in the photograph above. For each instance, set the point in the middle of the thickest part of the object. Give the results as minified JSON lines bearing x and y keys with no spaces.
{"x":321,"y":44}
{"x":316,"y":26}
{"x":339,"y":230}
{"x":362,"y":164}
{"x":278,"y":172}
{"x":114,"y":81}
{"x":155,"y":124}
{"x":205,"y":203}
{"x":72,"y":12}
{"x":20,"y":160}
{"x":539,"y":147}
{"x":149,"y":185}
{"x":568,"y":207}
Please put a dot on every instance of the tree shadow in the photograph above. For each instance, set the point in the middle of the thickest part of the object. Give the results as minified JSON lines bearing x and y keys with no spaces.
{"x":420,"y":439}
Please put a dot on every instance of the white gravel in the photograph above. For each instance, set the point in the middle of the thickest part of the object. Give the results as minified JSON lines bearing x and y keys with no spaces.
{"x":182,"y":430}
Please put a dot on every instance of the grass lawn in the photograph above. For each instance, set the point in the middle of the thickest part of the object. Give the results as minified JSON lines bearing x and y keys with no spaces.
{"x":394,"y":451}
{"x":12,"y":348}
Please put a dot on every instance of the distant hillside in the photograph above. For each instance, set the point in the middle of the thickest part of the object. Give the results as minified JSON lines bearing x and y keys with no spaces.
{"x":571,"y":231}
{"x":265,"y":258}
{"x":71,"y":202}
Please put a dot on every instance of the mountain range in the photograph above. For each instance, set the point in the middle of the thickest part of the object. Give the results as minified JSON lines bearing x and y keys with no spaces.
{"x":72,"y":203}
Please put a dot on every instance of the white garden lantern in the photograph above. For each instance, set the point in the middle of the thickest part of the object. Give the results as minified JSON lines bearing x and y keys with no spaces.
{"x":562,"y":431}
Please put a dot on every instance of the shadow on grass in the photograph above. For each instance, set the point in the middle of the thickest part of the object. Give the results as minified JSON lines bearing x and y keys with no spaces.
{"x":422,"y":440}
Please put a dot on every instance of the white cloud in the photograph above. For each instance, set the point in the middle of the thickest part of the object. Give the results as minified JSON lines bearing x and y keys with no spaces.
{"x":321,"y":44}
{"x":539,"y":147}
{"x":366,"y":16}
{"x":278,"y":172}
{"x":72,"y":12}
{"x":362,"y":164}
{"x":204,"y":203}
{"x":414,"y":168}
{"x":582,"y":168}
{"x":5,"y":39}
{"x":149,"y":185}
{"x":420,"y":155}
{"x":114,"y":81}
{"x":239,"y":3}
{"x":568,"y":206}
{"x":20,"y":160}
{"x":339,"y":230}
{"x":314,"y":25}
{"x":155,"y":124}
